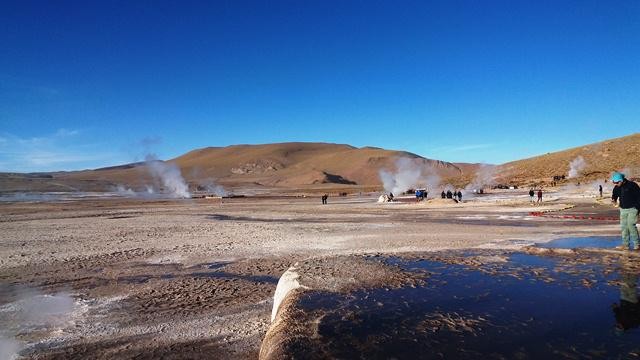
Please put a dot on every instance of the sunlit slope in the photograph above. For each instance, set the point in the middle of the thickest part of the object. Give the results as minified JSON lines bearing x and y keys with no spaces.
{"x":600,"y":160}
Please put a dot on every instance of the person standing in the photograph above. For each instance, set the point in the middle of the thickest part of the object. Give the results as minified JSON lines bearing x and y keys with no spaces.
{"x":531,"y":193}
{"x":600,"y":190}
{"x":540,"y":195}
{"x":459,"y":196}
{"x":626,"y":194}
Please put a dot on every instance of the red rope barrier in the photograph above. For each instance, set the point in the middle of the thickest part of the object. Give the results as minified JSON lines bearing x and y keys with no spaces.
{"x":575,"y":217}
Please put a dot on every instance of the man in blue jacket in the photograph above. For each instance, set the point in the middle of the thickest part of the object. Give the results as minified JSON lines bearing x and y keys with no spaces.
{"x":628,"y":193}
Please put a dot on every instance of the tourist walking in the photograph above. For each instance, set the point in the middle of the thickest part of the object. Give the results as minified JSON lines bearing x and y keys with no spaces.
{"x":626,"y":194}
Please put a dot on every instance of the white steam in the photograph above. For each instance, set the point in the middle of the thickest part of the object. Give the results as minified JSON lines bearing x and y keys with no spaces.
{"x":31,"y":312}
{"x":19,"y":196}
{"x":212,"y":188}
{"x":169,"y":175}
{"x":124,"y":191}
{"x":485,"y":177}
{"x":630,"y":172}
{"x":576,"y":166}
{"x":147,"y":193}
{"x":409,"y":174}
{"x":9,"y":348}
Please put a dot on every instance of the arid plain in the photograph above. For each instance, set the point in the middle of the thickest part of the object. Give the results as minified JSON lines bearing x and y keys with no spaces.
{"x":135,"y":278}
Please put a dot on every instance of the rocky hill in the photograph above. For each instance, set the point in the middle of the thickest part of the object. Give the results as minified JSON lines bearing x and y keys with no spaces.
{"x":269,"y":166}
{"x":585,"y":163}
{"x":320,"y":166}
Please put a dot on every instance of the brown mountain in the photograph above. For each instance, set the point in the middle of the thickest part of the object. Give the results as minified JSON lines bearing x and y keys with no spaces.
{"x":321,"y":166}
{"x":300,"y":164}
{"x":282,"y":165}
{"x":600,"y":160}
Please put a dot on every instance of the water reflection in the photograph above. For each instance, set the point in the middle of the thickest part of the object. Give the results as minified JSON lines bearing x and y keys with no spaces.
{"x":627,"y":311}
{"x":526,"y":307}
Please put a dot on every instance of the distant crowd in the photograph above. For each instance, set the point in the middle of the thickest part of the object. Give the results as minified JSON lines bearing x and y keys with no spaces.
{"x":421,"y":194}
{"x":451,"y":195}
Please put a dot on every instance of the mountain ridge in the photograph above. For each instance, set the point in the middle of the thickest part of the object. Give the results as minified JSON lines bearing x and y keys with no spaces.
{"x":304,"y":165}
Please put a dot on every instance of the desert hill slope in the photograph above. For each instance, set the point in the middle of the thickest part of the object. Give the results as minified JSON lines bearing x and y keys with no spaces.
{"x":599,"y":160}
{"x":299,"y":165}
{"x":281,"y":165}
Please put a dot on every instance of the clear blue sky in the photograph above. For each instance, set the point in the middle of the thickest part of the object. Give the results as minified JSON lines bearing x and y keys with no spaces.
{"x":90,"y":84}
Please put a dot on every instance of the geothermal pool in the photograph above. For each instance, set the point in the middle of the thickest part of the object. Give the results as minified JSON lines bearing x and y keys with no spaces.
{"x":520,"y":306}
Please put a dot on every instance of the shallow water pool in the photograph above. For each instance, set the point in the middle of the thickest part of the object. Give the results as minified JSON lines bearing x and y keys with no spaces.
{"x":528,"y":307}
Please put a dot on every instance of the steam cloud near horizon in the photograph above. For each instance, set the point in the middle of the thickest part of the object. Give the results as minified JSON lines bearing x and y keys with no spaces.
{"x":409,"y":174}
{"x":211,"y":187}
{"x":170,"y":177}
{"x":485,"y":176}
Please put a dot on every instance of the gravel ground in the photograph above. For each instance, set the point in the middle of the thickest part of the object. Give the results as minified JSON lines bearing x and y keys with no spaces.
{"x":195,"y":278}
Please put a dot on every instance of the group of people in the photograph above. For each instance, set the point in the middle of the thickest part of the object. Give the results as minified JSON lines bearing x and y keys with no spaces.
{"x":532,"y":193}
{"x":421,"y":194}
{"x":625,"y":194}
{"x":452,"y":195}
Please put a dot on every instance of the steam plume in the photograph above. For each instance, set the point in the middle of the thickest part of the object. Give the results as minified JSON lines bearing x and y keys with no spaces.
{"x":576,"y":166}
{"x":170,"y":177}
{"x":485,"y":176}
{"x":409,"y":174}
{"x":211,"y":187}
{"x":630,"y":172}
{"x":31,"y":311}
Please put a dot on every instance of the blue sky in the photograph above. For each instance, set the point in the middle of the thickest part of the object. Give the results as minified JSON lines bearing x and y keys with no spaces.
{"x":90,"y":84}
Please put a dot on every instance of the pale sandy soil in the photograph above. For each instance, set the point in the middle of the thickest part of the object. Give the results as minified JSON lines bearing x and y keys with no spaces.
{"x":193,"y":278}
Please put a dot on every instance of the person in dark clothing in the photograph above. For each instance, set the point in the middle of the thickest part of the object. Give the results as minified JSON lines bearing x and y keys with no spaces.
{"x":443,"y":195}
{"x":324,"y":199}
{"x":459,"y":195}
{"x":531,"y":193}
{"x":626,"y":194}
{"x":627,"y":312}
{"x":540,"y":195}
{"x":600,"y":190}
{"x":449,"y":194}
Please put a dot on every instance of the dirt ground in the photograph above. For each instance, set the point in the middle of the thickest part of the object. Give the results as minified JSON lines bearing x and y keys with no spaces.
{"x":196,"y":278}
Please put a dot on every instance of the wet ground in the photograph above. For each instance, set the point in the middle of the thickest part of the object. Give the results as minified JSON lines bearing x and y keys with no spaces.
{"x":477,"y":304}
{"x":154,"y":278}
{"x":600,"y":242}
